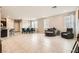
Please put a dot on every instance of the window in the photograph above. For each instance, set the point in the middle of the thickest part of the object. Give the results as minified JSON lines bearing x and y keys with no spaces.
{"x":69,"y":21}
{"x":25,"y":23}
{"x":46,"y":23}
{"x":34,"y":24}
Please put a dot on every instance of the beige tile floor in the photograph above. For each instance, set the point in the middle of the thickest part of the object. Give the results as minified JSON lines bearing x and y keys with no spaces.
{"x":28,"y":43}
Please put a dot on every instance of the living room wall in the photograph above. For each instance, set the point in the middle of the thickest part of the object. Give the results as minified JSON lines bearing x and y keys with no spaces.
{"x":10,"y":23}
{"x":54,"y":21}
{"x":57,"y":22}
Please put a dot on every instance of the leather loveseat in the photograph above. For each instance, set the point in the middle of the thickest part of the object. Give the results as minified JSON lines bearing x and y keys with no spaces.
{"x":68,"y":34}
{"x":52,"y":32}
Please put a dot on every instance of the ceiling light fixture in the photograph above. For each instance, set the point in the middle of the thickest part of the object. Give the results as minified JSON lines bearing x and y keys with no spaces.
{"x":54,"y":7}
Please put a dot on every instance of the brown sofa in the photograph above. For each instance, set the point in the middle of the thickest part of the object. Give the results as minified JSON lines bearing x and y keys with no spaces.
{"x":68,"y":34}
{"x":52,"y":32}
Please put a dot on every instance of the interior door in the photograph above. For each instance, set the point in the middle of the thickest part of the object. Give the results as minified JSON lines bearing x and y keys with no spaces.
{"x":17,"y":26}
{"x":40,"y":26}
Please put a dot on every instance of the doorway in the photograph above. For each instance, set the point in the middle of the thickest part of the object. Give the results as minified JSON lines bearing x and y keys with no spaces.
{"x":17,"y":25}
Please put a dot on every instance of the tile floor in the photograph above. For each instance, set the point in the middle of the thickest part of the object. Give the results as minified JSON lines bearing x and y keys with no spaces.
{"x":36,"y":43}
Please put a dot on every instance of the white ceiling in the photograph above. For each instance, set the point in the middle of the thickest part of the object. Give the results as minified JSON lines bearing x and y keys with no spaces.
{"x":34,"y":12}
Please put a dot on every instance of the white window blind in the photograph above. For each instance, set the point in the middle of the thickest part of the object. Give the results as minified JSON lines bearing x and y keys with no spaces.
{"x":34,"y":24}
{"x":46,"y":23}
{"x":69,"y":21}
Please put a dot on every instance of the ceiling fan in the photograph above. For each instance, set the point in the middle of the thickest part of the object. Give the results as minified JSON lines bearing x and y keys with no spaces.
{"x":54,"y":7}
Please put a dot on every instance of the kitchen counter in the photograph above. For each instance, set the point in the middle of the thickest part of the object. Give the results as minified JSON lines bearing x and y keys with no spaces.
{"x":8,"y":32}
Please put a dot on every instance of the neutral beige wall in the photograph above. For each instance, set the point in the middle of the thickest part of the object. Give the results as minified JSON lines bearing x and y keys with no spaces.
{"x":54,"y":21}
{"x":57,"y":22}
{"x":10,"y":23}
